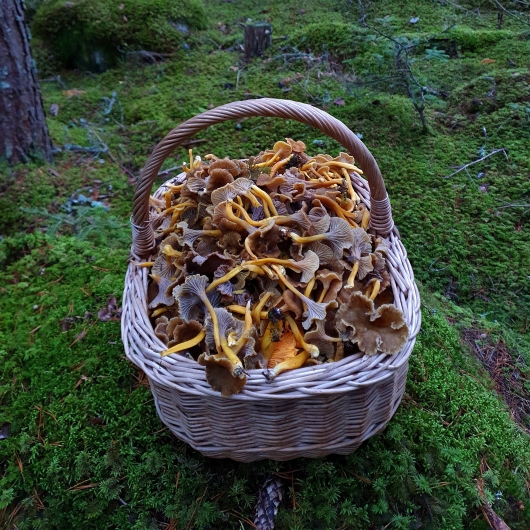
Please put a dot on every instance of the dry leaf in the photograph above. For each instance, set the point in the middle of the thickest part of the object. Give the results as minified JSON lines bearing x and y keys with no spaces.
{"x":121,"y":7}
{"x":54,"y":109}
{"x":339,"y":102}
{"x":73,"y":92}
{"x":488,"y":61}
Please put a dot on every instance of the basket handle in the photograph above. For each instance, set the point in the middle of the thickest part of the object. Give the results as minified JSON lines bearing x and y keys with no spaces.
{"x":381,"y":215}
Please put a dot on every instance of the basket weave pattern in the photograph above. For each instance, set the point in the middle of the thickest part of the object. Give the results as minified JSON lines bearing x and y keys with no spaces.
{"x":310,"y":412}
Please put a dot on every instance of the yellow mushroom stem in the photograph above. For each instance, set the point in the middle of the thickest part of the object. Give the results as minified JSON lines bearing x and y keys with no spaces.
{"x":328,"y":201}
{"x":249,"y":250}
{"x":286,"y":282}
{"x":220,"y":342}
{"x":180,"y":206}
{"x":185,"y":168}
{"x":269,"y":161}
{"x":351,"y":277}
{"x":278,"y":165}
{"x":144,"y":264}
{"x":190,"y":152}
{"x":231,"y":217}
{"x":309,"y":348}
{"x":168,"y":250}
{"x":234,"y":272}
{"x":267,"y":346}
{"x":375,"y":291}
{"x":185,"y":345}
{"x":365,"y":219}
{"x":248,"y":194}
{"x":245,"y":215}
{"x":351,"y":191}
{"x":228,"y":276}
{"x":240,"y":310}
{"x":167,"y":196}
{"x":159,"y":311}
{"x":278,"y":219}
{"x":174,"y":188}
{"x":256,"y":312}
{"x":309,"y":287}
{"x":351,"y":167}
{"x":323,"y":294}
{"x":266,"y":199}
{"x":197,"y":162}
{"x":343,"y":200}
{"x":323,"y":184}
{"x":244,"y":336}
{"x":308,"y":239}
{"x":268,"y":272}
{"x":276,"y":261}
{"x":294,"y":362}
{"x":314,"y":172}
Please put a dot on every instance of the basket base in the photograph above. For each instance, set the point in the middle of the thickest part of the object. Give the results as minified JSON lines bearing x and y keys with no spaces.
{"x":280,"y":429}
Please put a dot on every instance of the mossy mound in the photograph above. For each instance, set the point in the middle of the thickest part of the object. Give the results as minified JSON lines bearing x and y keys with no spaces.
{"x":91,"y":34}
{"x":339,"y":39}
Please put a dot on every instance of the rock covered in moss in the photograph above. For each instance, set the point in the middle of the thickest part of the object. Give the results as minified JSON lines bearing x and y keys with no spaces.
{"x":91,"y":34}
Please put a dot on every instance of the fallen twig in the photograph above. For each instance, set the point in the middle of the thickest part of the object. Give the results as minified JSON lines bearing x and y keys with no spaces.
{"x":502,"y":149}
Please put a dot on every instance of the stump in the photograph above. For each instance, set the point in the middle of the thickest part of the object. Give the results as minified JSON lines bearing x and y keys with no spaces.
{"x":258,"y":37}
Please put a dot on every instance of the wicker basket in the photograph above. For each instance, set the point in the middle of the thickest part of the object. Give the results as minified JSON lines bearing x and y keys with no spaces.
{"x":309,"y":412}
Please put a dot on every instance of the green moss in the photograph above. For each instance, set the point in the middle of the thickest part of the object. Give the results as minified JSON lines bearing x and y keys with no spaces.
{"x":89,"y":34}
{"x":470,"y":40}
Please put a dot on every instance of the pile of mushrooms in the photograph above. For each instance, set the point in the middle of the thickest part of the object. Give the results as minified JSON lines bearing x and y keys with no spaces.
{"x":266,"y":264}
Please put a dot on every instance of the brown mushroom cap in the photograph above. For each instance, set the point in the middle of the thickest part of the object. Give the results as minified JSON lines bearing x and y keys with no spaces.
{"x":218,"y":177}
{"x":373,"y":330}
{"x":219,"y":375}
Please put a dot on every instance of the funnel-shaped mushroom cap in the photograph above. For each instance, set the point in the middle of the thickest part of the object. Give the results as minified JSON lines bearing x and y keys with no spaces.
{"x":362,"y":243}
{"x":324,"y":253}
{"x":225,"y":163}
{"x":240,"y":186}
{"x":339,"y":236}
{"x":308,"y":266}
{"x":315,"y":311}
{"x":383,"y":330}
{"x":264,"y":241}
{"x":218,"y":178}
{"x":290,"y":302}
{"x":297,"y":147}
{"x":188,"y":235}
{"x":164,"y":276}
{"x":220,"y":376}
{"x":190,"y":297}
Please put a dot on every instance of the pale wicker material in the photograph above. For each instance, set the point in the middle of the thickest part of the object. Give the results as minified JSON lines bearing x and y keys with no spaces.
{"x":310,"y":412}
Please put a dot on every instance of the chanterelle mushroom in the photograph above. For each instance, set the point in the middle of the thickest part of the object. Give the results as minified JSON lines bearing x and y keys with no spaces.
{"x":374,"y":330}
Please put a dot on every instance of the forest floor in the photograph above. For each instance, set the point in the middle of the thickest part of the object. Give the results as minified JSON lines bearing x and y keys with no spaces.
{"x":81,"y":445}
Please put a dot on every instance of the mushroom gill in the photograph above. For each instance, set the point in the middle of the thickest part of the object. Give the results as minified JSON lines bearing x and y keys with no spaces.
{"x":339,"y":236}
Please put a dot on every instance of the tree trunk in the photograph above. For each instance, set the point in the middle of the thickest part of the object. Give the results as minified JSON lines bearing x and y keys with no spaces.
{"x":23,"y":130}
{"x":258,"y":38}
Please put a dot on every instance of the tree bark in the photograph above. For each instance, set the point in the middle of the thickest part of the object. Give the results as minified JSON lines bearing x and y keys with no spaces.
{"x":23,"y":130}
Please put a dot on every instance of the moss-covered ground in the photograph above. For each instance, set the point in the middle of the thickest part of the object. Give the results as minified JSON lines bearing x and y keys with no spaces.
{"x":81,"y":445}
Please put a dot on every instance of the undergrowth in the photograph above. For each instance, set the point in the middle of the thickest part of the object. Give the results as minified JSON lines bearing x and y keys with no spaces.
{"x":81,"y":444}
